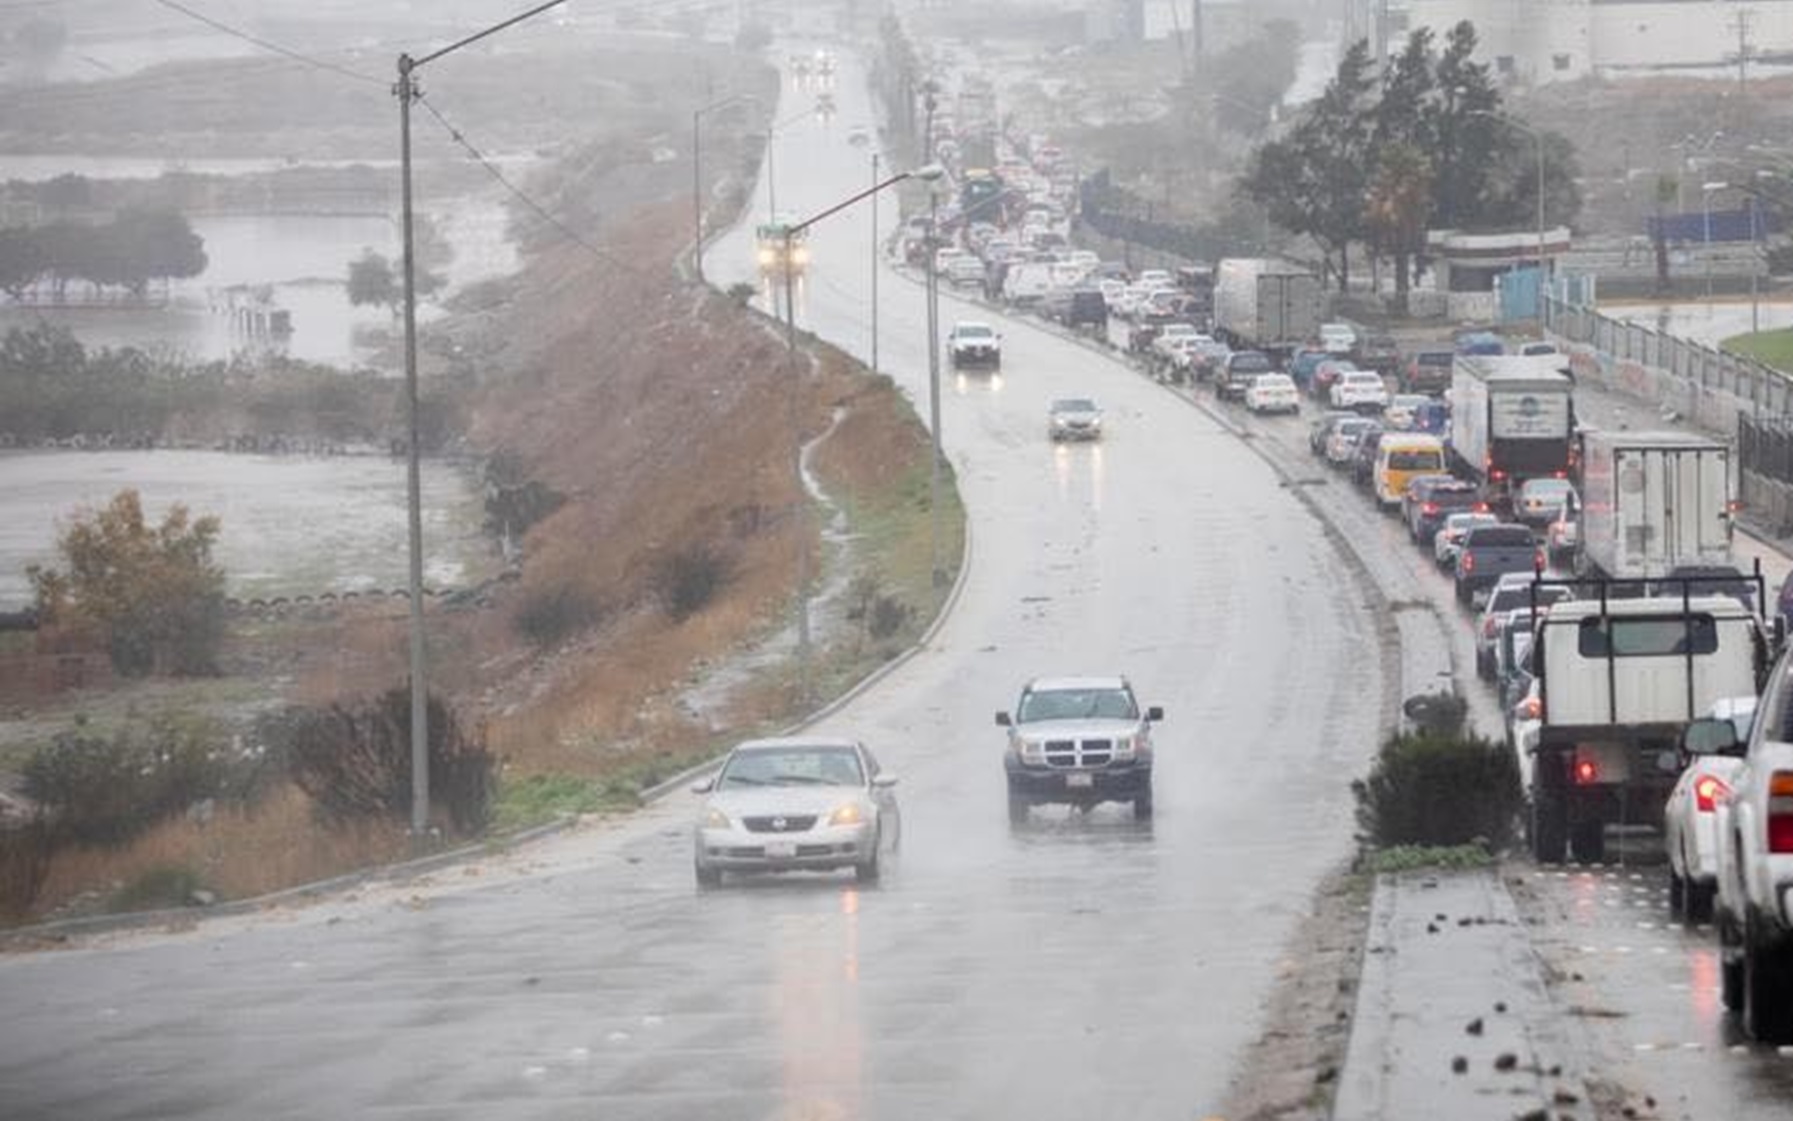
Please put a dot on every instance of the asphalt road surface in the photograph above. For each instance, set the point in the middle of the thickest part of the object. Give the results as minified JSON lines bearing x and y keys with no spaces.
{"x":1081,"y":966}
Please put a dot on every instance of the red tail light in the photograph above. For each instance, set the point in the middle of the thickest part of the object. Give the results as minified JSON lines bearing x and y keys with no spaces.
{"x":1780,"y":812}
{"x":1488,"y":627}
{"x":1707,"y":790}
{"x":1468,"y":562}
{"x":1429,"y":508}
{"x":1479,"y":508}
{"x":1586,"y":772}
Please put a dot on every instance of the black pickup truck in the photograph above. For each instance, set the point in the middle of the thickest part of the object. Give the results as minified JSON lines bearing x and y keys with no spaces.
{"x":1489,"y":552}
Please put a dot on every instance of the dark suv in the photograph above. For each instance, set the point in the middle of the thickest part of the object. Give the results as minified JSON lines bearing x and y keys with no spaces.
{"x":1242,"y":368}
{"x":1429,"y":371}
{"x":1432,"y":498}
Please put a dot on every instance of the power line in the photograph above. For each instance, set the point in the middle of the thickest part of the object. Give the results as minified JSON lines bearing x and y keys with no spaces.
{"x":524,"y":197}
{"x":174,"y":5}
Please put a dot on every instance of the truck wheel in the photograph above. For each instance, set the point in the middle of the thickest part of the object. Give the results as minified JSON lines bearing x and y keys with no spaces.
{"x":1549,"y":829}
{"x":1589,"y":841}
{"x":1018,"y":807}
{"x":1767,"y":1013}
{"x":1142,"y":805}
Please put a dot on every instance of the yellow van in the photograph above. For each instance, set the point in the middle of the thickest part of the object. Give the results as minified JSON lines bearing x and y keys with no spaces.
{"x":1400,"y":457}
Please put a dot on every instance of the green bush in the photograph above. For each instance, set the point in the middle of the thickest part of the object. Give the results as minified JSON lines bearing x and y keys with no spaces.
{"x":690,"y":579}
{"x":104,"y":790}
{"x":1430,"y":788}
{"x":167,"y":885}
{"x":549,"y":615}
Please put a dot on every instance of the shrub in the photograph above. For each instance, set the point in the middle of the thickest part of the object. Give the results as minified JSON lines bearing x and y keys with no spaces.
{"x":24,"y":865}
{"x":879,"y":614}
{"x":742,"y":293}
{"x":690,"y":580}
{"x":100,"y":790}
{"x":166,"y":885}
{"x":355,"y":762}
{"x":1428,"y":788}
{"x":548,"y":615}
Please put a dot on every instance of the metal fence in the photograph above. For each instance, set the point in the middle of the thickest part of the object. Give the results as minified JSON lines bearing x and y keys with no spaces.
{"x":1765,"y":446}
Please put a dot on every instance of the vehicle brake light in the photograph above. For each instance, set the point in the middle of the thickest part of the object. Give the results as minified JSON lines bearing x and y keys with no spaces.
{"x":1586,"y":772}
{"x":1707,"y":790}
{"x":1480,"y":508}
{"x":1429,"y":508}
{"x":1780,"y":812}
{"x":1531,"y":708}
{"x":1468,"y":562}
{"x":1488,"y":627}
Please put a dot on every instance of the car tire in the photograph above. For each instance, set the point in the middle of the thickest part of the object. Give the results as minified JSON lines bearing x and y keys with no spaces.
{"x":868,"y":870}
{"x":707,"y":878}
{"x":1547,"y":829}
{"x":1697,"y":906}
{"x":1588,"y":841}
{"x":1767,"y":1013}
{"x":1677,"y":894}
{"x":1142,"y":805}
{"x":1018,"y":808}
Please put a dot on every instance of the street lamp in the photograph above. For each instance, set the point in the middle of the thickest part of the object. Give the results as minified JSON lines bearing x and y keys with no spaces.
{"x":406,"y":91}
{"x":697,"y":205}
{"x":927,"y":173}
{"x":1538,"y":140}
{"x":1706,"y":190}
{"x":772,"y":131}
{"x":874,"y":268}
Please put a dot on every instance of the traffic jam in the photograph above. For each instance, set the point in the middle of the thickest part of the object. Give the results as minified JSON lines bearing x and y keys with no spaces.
{"x":1637,"y":666}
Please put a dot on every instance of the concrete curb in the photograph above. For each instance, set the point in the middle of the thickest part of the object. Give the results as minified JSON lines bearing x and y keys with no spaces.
{"x":666,"y":786}
{"x":397,"y":873}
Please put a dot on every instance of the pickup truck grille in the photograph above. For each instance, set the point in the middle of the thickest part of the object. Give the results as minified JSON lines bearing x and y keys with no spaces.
{"x":1079,"y":753}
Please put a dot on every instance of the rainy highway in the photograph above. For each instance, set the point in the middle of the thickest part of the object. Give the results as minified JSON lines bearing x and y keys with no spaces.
{"x":1082,"y":965}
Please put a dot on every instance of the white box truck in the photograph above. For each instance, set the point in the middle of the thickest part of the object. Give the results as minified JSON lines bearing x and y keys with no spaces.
{"x":1512,"y":419}
{"x":1652,"y":502}
{"x":1267,"y":304}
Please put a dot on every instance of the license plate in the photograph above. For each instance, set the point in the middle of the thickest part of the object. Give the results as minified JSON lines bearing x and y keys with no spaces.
{"x":781,"y":850}
{"x":1076,"y":782}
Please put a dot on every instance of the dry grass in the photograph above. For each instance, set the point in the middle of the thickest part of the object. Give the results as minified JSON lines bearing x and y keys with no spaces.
{"x":240,"y":852}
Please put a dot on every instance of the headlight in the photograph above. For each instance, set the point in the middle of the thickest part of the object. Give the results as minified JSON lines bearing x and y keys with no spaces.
{"x":1123,"y":745}
{"x":767,"y":256}
{"x":1027,"y":750}
{"x":716,"y":819}
{"x":849,"y":814}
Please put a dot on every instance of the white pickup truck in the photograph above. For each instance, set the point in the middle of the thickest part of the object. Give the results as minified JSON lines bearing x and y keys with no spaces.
{"x":1753,"y":911}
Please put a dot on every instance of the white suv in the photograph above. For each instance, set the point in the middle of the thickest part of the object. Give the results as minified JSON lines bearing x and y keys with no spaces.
{"x":1079,"y":741}
{"x":974,"y":344}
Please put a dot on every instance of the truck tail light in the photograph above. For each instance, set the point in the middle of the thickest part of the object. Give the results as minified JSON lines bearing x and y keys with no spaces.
{"x":1586,"y":773}
{"x":1531,"y":708}
{"x":1468,"y":561}
{"x":1707,"y":790}
{"x":1780,"y":812}
{"x":1429,"y":508}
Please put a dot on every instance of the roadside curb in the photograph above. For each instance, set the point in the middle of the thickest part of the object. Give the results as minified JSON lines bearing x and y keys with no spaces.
{"x":397,"y":873}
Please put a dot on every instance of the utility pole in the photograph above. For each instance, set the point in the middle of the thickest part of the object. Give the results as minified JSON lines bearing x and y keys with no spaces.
{"x":1741,"y":22}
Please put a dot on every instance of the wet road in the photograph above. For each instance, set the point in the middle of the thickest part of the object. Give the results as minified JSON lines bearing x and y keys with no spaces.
{"x":1082,"y":966}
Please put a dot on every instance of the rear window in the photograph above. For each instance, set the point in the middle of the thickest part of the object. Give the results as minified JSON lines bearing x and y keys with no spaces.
{"x":1435,"y":358}
{"x":1498,"y":535}
{"x":1250,"y":363}
{"x":1644,"y":638}
{"x":1429,"y":460}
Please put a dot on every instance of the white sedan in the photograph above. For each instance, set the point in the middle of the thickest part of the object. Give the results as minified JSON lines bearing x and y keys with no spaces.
{"x":1361,"y":390}
{"x":792,"y":804}
{"x":1272,"y":393}
{"x":1449,"y":537}
{"x":1690,"y":818}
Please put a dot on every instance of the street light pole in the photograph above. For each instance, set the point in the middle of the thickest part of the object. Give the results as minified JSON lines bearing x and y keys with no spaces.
{"x":930,"y":172}
{"x":933,"y":291}
{"x":406,"y":91}
{"x":874,"y":268}
{"x":697,"y":205}
{"x":1706,"y":190}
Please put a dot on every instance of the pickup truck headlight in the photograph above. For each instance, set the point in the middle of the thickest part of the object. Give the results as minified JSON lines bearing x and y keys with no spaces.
{"x":1123,"y":747}
{"x":1027,"y":750}
{"x":848,"y":814}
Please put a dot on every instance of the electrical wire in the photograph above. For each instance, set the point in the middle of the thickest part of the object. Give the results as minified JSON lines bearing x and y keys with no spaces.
{"x":524,"y":197}
{"x":216,"y":25}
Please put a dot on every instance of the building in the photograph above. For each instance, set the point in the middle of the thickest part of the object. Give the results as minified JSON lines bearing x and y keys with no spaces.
{"x":1534,"y":42}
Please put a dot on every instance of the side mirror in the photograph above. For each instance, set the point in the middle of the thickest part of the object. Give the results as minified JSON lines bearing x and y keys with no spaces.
{"x":703,"y":785}
{"x":1709,"y":736}
{"x":1154,"y":713}
{"x":884,"y":779}
{"x":1002,"y":718}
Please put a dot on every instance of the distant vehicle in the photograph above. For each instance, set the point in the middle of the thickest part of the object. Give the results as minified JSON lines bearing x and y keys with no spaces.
{"x":1489,"y":552}
{"x":1483,"y":343}
{"x":1327,"y":373}
{"x":1265,"y":304}
{"x":1360,"y":390}
{"x":1690,"y":816}
{"x":1320,"y":431}
{"x":1272,"y":393}
{"x":1338,"y":338}
{"x":1510,"y":593}
{"x":1428,"y":371}
{"x":1512,"y":419}
{"x":1341,"y":439}
{"x":796,"y":804}
{"x":1532,"y":350}
{"x":1429,"y":499}
{"x":1651,"y":501}
{"x":1241,"y":369}
{"x":1402,"y":408}
{"x":774,"y":244}
{"x":1539,"y":501}
{"x":1078,"y":741}
{"x":1450,"y":534}
{"x":1400,"y":457}
{"x":1365,"y":451}
{"x":1302,"y":365}
{"x":1380,"y":353}
{"x":974,"y":344}
{"x":1074,"y":418}
{"x":1086,"y":309}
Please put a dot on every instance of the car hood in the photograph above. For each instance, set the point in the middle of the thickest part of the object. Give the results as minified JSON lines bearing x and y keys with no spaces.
{"x":788,"y":800}
{"x":1076,"y":729}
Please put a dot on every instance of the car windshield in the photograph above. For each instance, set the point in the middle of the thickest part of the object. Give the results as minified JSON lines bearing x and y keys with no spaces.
{"x":792,"y":766}
{"x":1074,"y":405}
{"x":1078,"y":704}
{"x":973,"y":331}
{"x":1546,"y":489}
{"x":1250,"y":363}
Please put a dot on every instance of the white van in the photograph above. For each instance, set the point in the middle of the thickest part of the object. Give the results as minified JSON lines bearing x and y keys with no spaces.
{"x":1027,"y":283}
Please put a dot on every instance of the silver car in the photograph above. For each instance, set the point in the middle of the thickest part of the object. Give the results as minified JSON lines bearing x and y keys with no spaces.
{"x":796,"y":804}
{"x":1074,"y":418}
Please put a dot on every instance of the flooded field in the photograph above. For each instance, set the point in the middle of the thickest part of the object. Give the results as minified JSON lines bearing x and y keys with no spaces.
{"x":291,"y":525}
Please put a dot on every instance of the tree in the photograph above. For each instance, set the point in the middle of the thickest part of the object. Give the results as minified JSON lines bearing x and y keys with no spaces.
{"x":1399,"y":204}
{"x":374,"y":280}
{"x":22,"y":260}
{"x":1467,"y":138}
{"x":152,"y":592}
